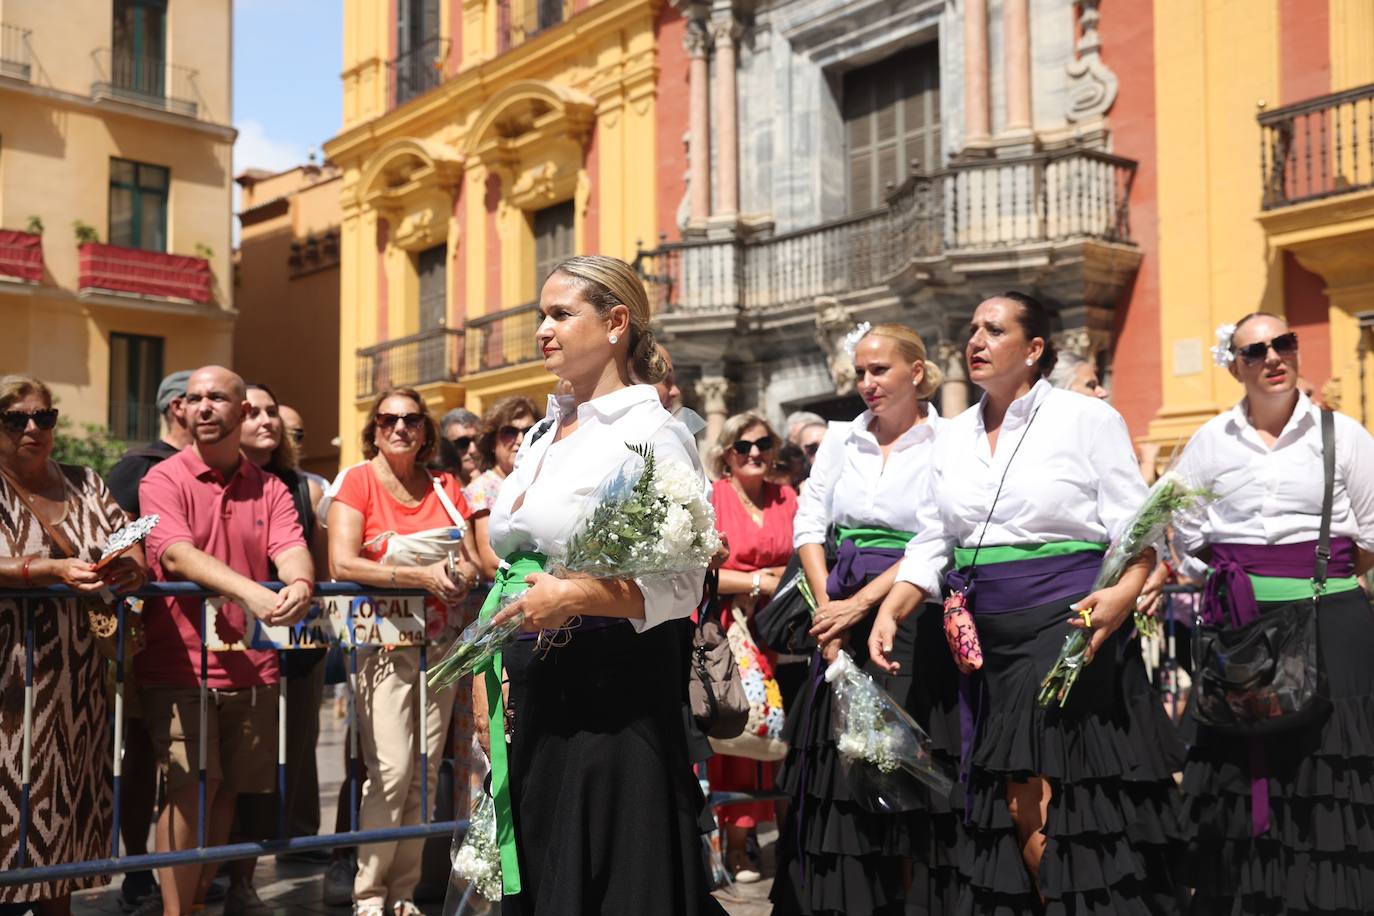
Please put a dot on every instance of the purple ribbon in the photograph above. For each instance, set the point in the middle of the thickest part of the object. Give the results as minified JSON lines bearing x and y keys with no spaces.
{"x":1016,"y":585}
{"x":855,"y":566}
{"x":1232,"y":565}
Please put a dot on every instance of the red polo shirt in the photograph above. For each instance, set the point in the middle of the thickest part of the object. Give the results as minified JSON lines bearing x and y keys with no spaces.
{"x":244,"y":523}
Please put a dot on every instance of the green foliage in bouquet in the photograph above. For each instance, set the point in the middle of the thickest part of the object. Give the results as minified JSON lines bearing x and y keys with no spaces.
{"x":613,"y":534}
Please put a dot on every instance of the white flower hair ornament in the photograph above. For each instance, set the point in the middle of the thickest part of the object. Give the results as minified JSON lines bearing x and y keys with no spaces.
{"x":1221,"y":353}
{"x":851,"y":340}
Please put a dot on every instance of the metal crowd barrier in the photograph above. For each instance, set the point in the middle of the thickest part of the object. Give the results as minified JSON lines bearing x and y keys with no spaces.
{"x":308,"y":638}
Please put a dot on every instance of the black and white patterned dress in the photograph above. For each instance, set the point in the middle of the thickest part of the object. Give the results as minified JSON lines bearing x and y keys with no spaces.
{"x":70,"y":796}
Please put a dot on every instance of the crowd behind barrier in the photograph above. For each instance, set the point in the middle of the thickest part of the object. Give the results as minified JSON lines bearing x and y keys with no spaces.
{"x":320,"y":625}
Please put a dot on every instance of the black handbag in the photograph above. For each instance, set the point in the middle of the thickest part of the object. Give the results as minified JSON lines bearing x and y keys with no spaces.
{"x":1266,"y":676}
{"x":784,"y":623}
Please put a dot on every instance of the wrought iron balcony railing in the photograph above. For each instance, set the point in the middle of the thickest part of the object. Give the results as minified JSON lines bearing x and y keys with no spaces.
{"x":1318,"y":148}
{"x":517,"y":21}
{"x":972,"y":207}
{"x":502,"y":339}
{"x":134,"y":422}
{"x":418,"y":70}
{"x":430,"y":356}
{"x":148,"y":81}
{"x":14,"y":52}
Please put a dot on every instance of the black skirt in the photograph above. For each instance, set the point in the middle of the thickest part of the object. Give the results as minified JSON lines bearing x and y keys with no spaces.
{"x":836,"y":855}
{"x":605,"y":802}
{"x":1103,"y":802}
{"x":1318,"y":854}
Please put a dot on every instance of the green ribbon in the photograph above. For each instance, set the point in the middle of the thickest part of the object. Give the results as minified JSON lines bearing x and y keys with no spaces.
{"x":510,"y":580}
{"x":1282,"y":588}
{"x":864,"y":538}
{"x":963,"y":556}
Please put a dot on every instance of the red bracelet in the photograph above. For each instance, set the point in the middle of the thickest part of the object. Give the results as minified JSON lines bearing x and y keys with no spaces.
{"x":28,"y":583}
{"x":309,"y":586}
{"x":1168,"y":568}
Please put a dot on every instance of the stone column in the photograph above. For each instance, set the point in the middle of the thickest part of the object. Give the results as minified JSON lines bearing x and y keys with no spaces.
{"x":976,"y":122}
{"x":1016,"y":36}
{"x":698,"y":125}
{"x":713,"y":393}
{"x":954,"y":393}
{"x":724,"y":31}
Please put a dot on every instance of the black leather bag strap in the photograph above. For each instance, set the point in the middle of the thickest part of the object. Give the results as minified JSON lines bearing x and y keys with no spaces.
{"x":1328,"y":497}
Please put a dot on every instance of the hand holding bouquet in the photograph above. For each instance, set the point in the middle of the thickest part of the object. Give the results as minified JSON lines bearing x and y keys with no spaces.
{"x":1170,"y":498}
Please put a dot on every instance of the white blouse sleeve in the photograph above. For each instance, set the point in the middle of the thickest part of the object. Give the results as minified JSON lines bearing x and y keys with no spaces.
{"x":931,"y":550}
{"x":1121,"y":489}
{"x":1355,"y":464}
{"x":673,"y":595}
{"x":1188,"y":527}
{"x":815,"y":507}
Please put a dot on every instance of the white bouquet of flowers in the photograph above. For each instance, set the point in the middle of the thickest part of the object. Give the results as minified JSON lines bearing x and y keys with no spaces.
{"x":887,"y":754}
{"x":647,"y":518}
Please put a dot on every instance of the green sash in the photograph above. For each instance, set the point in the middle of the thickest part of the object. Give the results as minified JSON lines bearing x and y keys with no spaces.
{"x":510,"y":580}
{"x":963,"y":556}
{"x":1282,"y":588}
{"x":874,"y":537}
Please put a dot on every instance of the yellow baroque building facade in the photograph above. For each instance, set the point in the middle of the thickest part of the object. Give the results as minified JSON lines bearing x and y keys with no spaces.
{"x":484,"y":141}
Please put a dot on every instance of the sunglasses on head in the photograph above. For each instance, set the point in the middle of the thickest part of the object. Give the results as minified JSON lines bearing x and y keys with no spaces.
{"x":1284,"y":345}
{"x":515,"y":432}
{"x":411,"y":420}
{"x":743,"y":447}
{"x":16,"y":421}
{"x":461,"y":443}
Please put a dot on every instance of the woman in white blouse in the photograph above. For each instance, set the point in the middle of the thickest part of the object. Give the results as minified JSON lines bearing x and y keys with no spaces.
{"x":835,"y":854}
{"x":1026,"y":489}
{"x":599,"y":794}
{"x":1284,"y":824}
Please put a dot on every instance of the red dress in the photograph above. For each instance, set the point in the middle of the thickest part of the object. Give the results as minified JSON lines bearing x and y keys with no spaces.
{"x":752,"y":547}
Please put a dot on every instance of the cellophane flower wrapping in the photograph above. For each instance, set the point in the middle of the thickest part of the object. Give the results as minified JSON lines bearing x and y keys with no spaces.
{"x":476,"y":859}
{"x":887,"y":755}
{"x":647,"y":518}
{"x":1172,"y":497}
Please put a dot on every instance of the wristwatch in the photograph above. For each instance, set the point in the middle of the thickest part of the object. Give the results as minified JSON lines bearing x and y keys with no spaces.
{"x":757,"y":586}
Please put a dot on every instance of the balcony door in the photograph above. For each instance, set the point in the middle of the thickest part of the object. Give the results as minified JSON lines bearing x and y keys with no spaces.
{"x":139,"y":59}
{"x":553,"y":240}
{"x":432,"y":267}
{"x":892,"y":116}
{"x":417,"y":48}
{"x":136,"y":366}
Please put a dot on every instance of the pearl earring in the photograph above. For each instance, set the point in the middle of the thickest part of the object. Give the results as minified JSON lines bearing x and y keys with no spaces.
{"x":615,"y":340}
{"x":1030,"y":362}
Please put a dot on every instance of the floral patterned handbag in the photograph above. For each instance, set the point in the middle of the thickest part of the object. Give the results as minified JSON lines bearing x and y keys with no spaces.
{"x":762,"y":736}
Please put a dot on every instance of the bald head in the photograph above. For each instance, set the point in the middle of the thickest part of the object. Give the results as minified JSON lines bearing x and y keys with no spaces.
{"x":219,"y":377}
{"x":216,"y":402}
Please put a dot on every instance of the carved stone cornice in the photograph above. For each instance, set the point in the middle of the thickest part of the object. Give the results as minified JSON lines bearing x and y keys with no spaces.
{"x":833,"y":323}
{"x":696,"y":39}
{"x":1093,"y":86}
{"x":713,"y":393}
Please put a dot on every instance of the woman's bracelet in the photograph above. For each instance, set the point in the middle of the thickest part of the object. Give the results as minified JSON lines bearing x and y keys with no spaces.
{"x":28,"y":582}
{"x":757,"y":585}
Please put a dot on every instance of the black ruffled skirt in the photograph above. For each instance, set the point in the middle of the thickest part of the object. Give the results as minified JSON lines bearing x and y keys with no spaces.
{"x":1318,"y":854}
{"x":1112,"y":811}
{"x":605,"y":801}
{"x":836,"y":855}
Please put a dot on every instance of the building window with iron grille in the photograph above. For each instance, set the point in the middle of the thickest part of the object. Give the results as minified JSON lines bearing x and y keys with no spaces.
{"x":136,"y":366}
{"x":892,"y":116}
{"x":553,"y":240}
{"x":138,"y":205}
{"x":431,"y":268}
{"x":139,"y":61}
{"x":419,"y":65}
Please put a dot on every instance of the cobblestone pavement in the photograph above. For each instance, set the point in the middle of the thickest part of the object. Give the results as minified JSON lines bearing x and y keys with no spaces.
{"x":294,"y":888}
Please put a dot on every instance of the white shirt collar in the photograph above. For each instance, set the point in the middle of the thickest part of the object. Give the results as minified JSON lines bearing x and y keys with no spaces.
{"x":1238,"y":418}
{"x":1021,"y":409}
{"x":918,"y":433}
{"x":607,"y":406}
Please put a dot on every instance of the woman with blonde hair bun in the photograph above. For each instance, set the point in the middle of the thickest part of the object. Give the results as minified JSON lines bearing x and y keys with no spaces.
{"x":835,"y":854}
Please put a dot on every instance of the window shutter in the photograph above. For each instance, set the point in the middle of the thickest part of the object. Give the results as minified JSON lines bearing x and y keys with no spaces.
{"x":892,"y":115}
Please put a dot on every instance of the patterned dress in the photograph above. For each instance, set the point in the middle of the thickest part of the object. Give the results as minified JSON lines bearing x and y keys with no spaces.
{"x":70,"y":796}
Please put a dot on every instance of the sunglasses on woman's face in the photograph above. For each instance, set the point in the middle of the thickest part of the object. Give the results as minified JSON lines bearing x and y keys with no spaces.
{"x":1285,"y":345}
{"x":297,"y":435}
{"x":461,"y":444}
{"x":511,"y":433}
{"x":743,"y":447}
{"x":411,"y":420}
{"x":16,"y":421}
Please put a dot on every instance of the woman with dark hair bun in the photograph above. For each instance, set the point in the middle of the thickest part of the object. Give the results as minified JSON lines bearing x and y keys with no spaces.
{"x":1026,"y":489}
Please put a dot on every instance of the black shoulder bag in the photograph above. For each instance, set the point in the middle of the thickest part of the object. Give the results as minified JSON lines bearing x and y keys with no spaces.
{"x":715,"y":692}
{"x":1266,"y":676}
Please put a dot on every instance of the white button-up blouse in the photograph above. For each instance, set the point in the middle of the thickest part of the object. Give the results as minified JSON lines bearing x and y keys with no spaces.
{"x":559,"y":479}
{"x":1075,"y":478}
{"x":851,"y":487}
{"x":1274,"y":496}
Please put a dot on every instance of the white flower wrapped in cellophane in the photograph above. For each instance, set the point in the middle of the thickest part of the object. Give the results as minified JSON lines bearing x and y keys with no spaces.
{"x":476,"y":857}
{"x":647,"y":518}
{"x":887,"y":755}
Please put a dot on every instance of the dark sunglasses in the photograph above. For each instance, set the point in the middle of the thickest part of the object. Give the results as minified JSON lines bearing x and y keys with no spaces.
{"x":411,"y":420}
{"x":1284,"y":345}
{"x":297,"y":435}
{"x":743,"y":447}
{"x":461,"y":443}
{"x":16,"y":421}
{"x":515,"y":432}
{"x":811,"y":448}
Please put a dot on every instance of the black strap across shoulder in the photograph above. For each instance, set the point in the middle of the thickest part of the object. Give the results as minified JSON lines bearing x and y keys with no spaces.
{"x":1328,"y":496}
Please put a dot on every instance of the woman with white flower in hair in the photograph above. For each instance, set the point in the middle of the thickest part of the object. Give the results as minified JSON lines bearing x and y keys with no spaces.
{"x":1284,"y":823}
{"x":594,"y":789}
{"x":836,"y":854}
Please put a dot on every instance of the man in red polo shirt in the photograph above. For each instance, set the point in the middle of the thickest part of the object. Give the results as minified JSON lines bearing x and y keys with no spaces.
{"x":223,"y":523}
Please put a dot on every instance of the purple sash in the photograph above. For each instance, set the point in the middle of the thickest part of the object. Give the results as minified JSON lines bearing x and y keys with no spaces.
{"x":1232,"y":565}
{"x":855,"y":566}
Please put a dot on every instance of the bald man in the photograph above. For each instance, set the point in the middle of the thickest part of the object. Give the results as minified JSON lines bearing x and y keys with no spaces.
{"x":224,"y":523}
